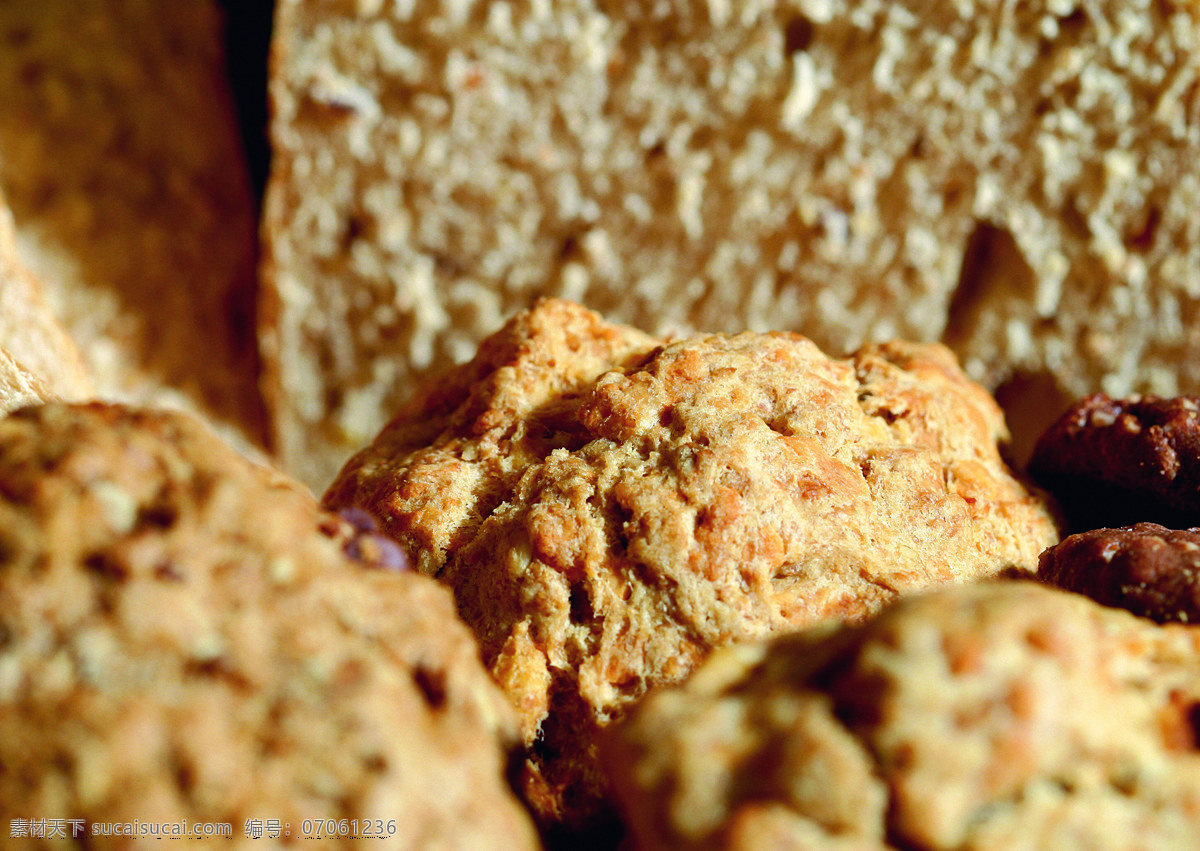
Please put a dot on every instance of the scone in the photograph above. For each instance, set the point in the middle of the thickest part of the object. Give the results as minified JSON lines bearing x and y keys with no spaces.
{"x":1015,"y":179}
{"x":186,"y":638}
{"x":609,"y":506}
{"x":994,"y":717}
{"x":121,"y":160}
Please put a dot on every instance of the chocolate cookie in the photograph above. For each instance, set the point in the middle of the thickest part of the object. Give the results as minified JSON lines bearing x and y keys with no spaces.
{"x":184,"y":639}
{"x":1146,"y":568}
{"x":1115,"y":462}
{"x":989,"y":717}
{"x":608,"y":506}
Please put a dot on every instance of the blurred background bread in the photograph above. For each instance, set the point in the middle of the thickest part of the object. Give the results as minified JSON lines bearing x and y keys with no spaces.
{"x":1015,"y":179}
{"x":38,"y":359}
{"x":121,"y":159}
{"x":186,"y":637}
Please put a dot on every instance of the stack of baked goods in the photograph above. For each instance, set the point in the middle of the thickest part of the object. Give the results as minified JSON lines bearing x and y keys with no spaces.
{"x":624,"y":438}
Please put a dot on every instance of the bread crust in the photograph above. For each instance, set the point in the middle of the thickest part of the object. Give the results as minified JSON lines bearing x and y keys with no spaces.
{"x":31,"y":335}
{"x":1145,"y":568}
{"x":1116,"y":462}
{"x":18,"y":386}
{"x":1016,"y":181}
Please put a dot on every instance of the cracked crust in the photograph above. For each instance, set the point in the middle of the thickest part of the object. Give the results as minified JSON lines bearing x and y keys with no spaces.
{"x":182,"y":636}
{"x":608,"y":506}
{"x":40,"y":359}
{"x":993,"y":717}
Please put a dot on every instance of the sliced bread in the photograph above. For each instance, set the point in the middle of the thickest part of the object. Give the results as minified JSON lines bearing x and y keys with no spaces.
{"x":1017,"y":180}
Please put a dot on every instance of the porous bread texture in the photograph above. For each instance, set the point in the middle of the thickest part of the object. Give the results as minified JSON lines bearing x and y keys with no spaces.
{"x":180,"y":641}
{"x":609,"y":506}
{"x":39,"y":356}
{"x":1016,"y":179}
{"x":993,"y":717}
{"x":122,"y":162}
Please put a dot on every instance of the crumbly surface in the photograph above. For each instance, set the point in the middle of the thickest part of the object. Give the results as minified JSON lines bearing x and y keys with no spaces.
{"x":1115,"y":462}
{"x":121,"y":160}
{"x":1016,"y":179}
{"x":608,"y":507}
{"x":992,"y":717}
{"x":1146,"y":568}
{"x":179,"y":639}
{"x":31,"y":336}
{"x":19,"y":386}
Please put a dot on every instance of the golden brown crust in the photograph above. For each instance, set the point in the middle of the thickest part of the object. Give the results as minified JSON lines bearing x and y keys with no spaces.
{"x":990,"y":716}
{"x":608,"y":507}
{"x":29,"y":331}
{"x":179,"y":639}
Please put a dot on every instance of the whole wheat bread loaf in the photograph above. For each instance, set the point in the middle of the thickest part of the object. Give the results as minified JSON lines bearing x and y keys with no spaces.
{"x":122,"y":163}
{"x":1018,"y":180}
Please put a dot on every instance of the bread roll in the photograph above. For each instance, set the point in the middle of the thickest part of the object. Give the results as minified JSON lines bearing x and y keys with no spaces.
{"x":992,"y":717}
{"x":186,"y":638}
{"x":609,"y":507}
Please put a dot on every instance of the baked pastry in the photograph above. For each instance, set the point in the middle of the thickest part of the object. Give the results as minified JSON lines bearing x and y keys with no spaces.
{"x":38,"y":354}
{"x":1146,"y":568}
{"x":122,"y":163}
{"x":1115,"y":462}
{"x":610,"y":506}
{"x":184,"y":640}
{"x":994,"y":716}
{"x":1017,"y":180}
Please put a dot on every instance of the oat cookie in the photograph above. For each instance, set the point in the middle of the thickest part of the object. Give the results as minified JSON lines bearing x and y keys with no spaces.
{"x":1146,"y":568}
{"x":1114,"y":462}
{"x":608,"y":506}
{"x":994,"y":716}
{"x":182,"y":636}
